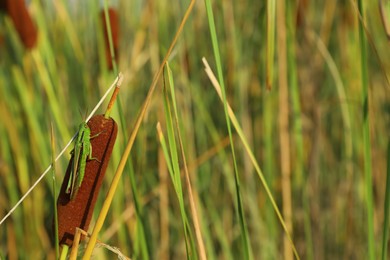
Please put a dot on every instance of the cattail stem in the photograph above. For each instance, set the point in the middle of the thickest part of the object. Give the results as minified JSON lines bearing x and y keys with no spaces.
{"x":113,"y":97}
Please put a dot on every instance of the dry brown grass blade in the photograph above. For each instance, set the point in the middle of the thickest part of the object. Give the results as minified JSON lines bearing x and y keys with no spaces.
{"x":76,"y":243}
{"x":79,"y":233}
{"x":113,"y":96}
{"x":284,"y":136}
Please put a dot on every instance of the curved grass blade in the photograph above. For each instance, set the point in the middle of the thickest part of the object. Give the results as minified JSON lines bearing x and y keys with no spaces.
{"x":240,"y":207}
{"x":250,"y":154}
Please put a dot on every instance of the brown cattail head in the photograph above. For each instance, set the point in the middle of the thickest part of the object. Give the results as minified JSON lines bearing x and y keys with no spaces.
{"x":114,"y":23}
{"x":78,"y":211}
{"x":22,"y":21}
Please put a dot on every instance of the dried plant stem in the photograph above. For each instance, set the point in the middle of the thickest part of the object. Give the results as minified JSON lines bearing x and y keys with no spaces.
{"x":198,"y":233}
{"x":284,"y":136}
{"x":113,"y":96}
{"x":210,"y":153}
{"x":199,"y":239}
{"x":79,"y":233}
{"x":53,"y":170}
{"x":163,"y":206}
{"x":110,"y":40}
{"x":76,"y":242}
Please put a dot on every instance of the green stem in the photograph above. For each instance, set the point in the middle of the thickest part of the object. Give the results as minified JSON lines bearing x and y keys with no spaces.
{"x":240,"y":208}
{"x":366,"y":135}
{"x":109,"y":33}
{"x":64,"y":252}
{"x":386,"y":207}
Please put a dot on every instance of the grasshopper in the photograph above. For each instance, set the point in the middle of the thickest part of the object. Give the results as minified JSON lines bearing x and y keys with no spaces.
{"x":81,"y":153}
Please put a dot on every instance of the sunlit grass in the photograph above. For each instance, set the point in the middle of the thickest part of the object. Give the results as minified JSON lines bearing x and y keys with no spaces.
{"x":152,"y":214}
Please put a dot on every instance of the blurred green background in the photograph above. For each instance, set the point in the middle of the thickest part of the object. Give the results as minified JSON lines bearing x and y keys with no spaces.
{"x":307,"y":131}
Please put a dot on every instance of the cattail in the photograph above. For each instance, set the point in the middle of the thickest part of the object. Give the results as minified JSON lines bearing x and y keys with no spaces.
{"x":114,"y":24}
{"x":23,"y":23}
{"x":77,"y":212}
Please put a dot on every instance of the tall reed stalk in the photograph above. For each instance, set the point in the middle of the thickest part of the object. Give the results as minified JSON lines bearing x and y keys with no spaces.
{"x":366,"y":133}
{"x":240,"y":208}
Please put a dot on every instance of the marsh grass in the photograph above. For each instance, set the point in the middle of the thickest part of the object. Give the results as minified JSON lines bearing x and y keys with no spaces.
{"x":240,"y":208}
{"x":150,"y":215}
{"x":386,"y":213}
{"x":366,"y":132}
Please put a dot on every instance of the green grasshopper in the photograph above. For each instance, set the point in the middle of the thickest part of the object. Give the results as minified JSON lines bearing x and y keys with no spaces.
{"x":81,"y":153}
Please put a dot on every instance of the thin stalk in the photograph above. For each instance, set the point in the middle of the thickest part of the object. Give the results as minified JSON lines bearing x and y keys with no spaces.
{"x":295,"y":97}
{"x":64,"y":252}
{"x":240,"y":133}
{"x":53,"y":170}
{"x":269,"y":167}
{"x":366,"y":136}
{"x":284,"y":136}
{"x":110,"y":41}
{"x":195,"y":218}
{"x":386,"y":214}
{"x":113,"y":97}
{"x":139,"y":215}
{"x":240,"y":207}
{"x":140,"y":219}
{"x":70,"y":29}
{"x":172,"y":160}
{"x":75,"y":245}
{"x":270,"y":52}
{"x":299,"y":170}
